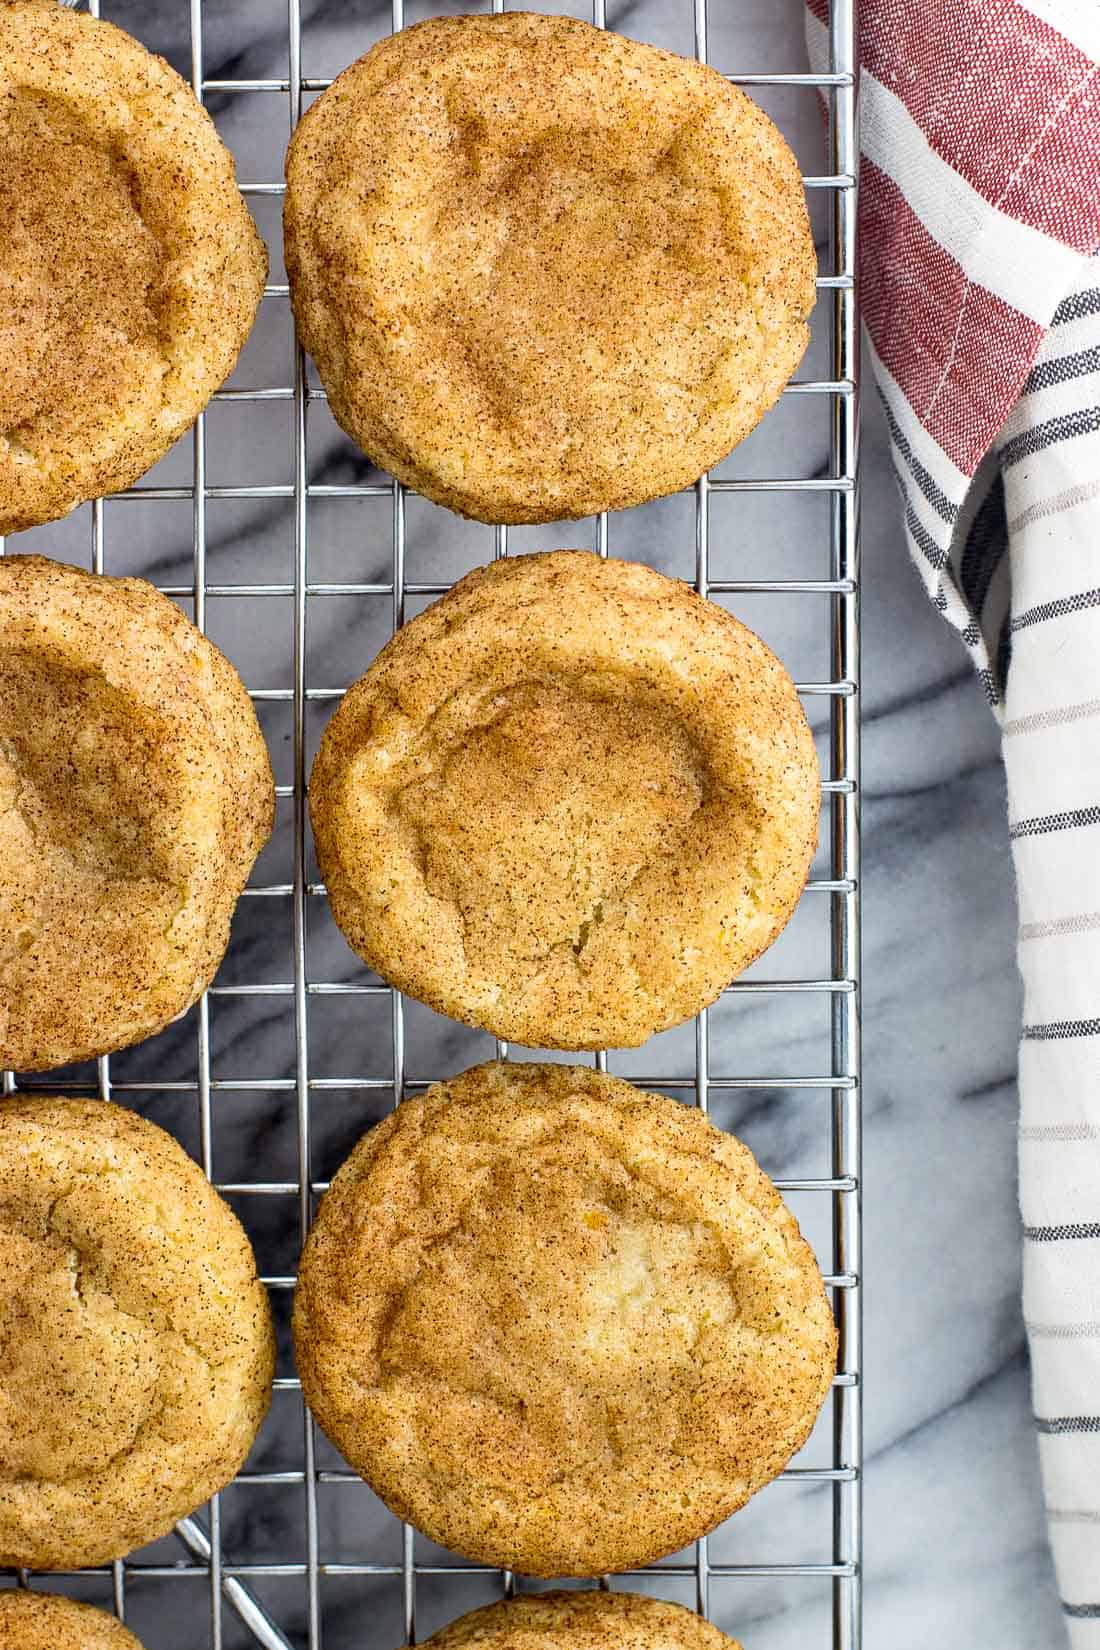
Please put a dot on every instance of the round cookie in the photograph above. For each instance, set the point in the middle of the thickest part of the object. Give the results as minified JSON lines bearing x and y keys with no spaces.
{"x":560,"y":1325}
{"x":567,"y":803}
{"x":135,"y":794}
{"x":581,"y":1621}
{"x":136,"y":1347}
{"x":130,"y":269}
{"x":544,"y":270}
{"x":43,"y":1621}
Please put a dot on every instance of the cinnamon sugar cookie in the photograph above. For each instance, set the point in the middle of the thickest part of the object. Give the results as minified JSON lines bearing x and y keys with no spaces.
{"x":43,"y":1621}
{"x":581,"y":1621}
{"x":136,"y":1347}
{"x":560,"y":1325}
{"x":544,"y":270}
{"x":130,"y":269}
{"x":567,"y":803}
{"x":135,"y":794}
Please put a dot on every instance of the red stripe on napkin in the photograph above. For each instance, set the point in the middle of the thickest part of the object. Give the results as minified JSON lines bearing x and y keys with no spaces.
{"x":1000,"y":96}
{"x":959,"y":354}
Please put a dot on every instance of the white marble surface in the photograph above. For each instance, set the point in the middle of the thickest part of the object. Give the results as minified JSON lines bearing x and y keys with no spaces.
{"x":955,"y":1548}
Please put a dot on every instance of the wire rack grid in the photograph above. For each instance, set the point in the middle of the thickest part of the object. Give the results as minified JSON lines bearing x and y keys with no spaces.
{"x":238,"y":1582}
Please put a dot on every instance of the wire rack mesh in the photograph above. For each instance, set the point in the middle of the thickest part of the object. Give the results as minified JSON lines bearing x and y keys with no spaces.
{"x":313,"y":1574}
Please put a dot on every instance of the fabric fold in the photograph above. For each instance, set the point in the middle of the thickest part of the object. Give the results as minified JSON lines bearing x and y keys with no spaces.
{"x":980,"y":293}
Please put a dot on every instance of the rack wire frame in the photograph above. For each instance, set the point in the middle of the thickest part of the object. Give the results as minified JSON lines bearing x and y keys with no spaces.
{"x":228,"y":1583}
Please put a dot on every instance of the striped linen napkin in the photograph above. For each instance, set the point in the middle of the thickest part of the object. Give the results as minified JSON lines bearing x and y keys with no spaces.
{"x":979,"y":217}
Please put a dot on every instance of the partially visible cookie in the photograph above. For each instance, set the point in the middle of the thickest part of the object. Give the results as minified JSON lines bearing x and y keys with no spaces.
{"x":560,"y":1325}
{"x":581,"y":1621}
{"x":136,"y":1345}
{"x":43,"y":1621}
{"x":568,"y":803}
{"x":135,"y":794}
{"x":130,"y":269}
{"x":544,"y":270}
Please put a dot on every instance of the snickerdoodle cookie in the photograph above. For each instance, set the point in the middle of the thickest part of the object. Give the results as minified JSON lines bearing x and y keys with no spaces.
{"x":581,"y":1621}
{"x":544,"y":270}
{"x":43,"y":1621}
{"x":136,"y":1347}
{"x":135,"y":794}
{"x":558,"y":1324}
{"x":567,"y":803}
{"x":130,"y":269}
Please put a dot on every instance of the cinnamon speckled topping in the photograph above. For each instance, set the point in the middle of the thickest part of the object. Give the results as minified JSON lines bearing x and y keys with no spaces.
{"x":135,"y":794}
{"x":581,"y":1621}
{"x":544,"y":270}
{"x":567,"y":803}
{"x":136,"y":1347}
{"x":560,"y":1325}
{"x":130,"y":269}
{"x":43,"y":1621}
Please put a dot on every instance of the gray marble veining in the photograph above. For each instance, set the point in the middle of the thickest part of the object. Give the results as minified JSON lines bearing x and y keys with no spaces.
{"x":955,"y":1545}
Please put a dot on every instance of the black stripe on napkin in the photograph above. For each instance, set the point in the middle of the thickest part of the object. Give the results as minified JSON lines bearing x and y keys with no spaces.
{"x":1082,"y":421}
{"x":922,"y":538}
{"x":1070,"y":820}
{"x":924,"y":479}
{"x":1060,"y":1234}
{"x":1065,"y":367}
{"x":1056,"y":1029}
{"x":1077,"y":305}
{"x":1081,"y":1612}
{"x":1055,"y":1424}
{"x":1059,"y":609}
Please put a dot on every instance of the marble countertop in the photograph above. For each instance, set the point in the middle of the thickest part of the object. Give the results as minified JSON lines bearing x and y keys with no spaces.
{"x":955,"y":1543}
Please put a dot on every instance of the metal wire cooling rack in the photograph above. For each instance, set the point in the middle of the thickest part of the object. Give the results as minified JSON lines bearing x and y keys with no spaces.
{"x":281,"y":1602}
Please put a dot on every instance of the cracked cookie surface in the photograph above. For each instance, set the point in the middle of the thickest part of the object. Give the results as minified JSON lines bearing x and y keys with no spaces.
{"x":560,"y":1325}
{"x":44,"y":1621}
{"x":136,"y":1347}
{"x":581,"y":1621}
{"x":544,"y":270}
{"x":130,"y":269}
{"x":567,"y":803}
{"x":135,"y":794}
